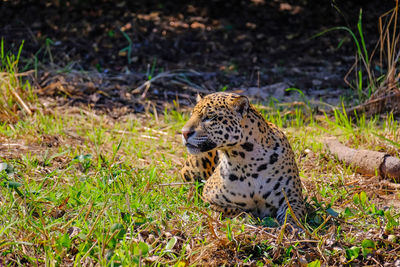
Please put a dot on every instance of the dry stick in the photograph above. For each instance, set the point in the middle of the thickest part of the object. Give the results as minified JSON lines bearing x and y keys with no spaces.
{"x":108,"y":240}
{"x":89,"y":210}
{"x":26,"y":73}
{"x":265,"y":232}
{"x":19,"y":99}
{"x":146,"y":85}
{"x":302,"y":241}
{"x":370,"y":102}
{"x":389,"y":184}
{"x":97,"y":219}
{"x":206,"y":214}
{"x":90,"y":249}
{"x":211,"y":228}
{"x":365,"y":161}
{"x":320,"y":253}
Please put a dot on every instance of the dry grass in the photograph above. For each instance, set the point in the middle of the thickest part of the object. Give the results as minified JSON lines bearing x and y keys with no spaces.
{"x":383,"y":89}
{"x":82,"y":203}
{"x":15,"y":94}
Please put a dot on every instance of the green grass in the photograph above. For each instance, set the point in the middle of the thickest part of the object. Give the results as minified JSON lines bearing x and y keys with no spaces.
{"x":85,"y":189}
{"x":373,"y":76}
{"x":16,"y":94}
{"x":115,"y":184}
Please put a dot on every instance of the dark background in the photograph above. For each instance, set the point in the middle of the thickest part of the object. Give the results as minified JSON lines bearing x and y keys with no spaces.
{"x":241,"y":43}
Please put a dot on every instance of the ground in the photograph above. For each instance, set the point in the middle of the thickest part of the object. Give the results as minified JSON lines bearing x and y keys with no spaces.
{"x":92,"y":176}
{"x":231,"y":45}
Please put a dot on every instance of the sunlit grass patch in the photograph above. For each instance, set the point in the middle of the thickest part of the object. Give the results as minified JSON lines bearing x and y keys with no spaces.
{"x":83,"y":188}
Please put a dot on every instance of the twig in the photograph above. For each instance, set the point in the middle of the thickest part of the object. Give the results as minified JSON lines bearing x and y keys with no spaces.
{"x":90,"y":249}
{"x":97,"y":219}
{"x":19,"y":99}
{"x":26,"y":73}
{"x":265,"y":232}
{"x":362,"y":107}
{"x":147,"y":84}
{"x":389,"y":184}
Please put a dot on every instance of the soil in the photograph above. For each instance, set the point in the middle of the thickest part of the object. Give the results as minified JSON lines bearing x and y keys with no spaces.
{"x":256,"y":47}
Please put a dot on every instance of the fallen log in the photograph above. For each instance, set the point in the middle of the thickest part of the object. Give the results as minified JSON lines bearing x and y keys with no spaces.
{"x":365,"y":161}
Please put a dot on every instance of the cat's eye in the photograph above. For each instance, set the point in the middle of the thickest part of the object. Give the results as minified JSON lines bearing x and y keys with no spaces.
{"x":208,"y":119}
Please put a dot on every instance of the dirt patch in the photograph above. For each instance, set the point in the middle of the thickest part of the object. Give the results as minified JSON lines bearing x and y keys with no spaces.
{"x":233,"y":45}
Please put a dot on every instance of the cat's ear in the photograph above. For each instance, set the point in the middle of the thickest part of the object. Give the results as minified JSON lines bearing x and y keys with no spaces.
{"x":242,"y":105}
{"x":198,"y":98}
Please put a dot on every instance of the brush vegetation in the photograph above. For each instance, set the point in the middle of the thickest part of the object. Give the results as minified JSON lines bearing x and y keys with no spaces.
{"x":82,"y":188}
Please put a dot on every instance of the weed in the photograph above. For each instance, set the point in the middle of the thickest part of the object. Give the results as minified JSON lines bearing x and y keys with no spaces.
{"x":110,"y":196}
{"x":388,"y":44}
{"x":128,"y":48}
{"x":150,"y":71}
{"x":15,"y":94}
{"x":362,"y":60}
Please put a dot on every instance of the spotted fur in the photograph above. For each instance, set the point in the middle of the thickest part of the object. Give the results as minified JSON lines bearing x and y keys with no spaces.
{"x":247,"y":162}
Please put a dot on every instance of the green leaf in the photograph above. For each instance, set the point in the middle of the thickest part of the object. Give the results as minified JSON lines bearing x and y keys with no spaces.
{"x":380,"y":212}
{"x":387,"y":140}
{"x":139,"y":219}
{"x":269,"y":222}
{"x":82,"y":158}
{"x":352,"y":253}
{"x":348,"y":212}
{"x":363,"y":198}
{"x":368,"y":246}
{"x":332,"y":212}
{"x":13,"y":184}
{"x":64,"y":241}
{"x":356,"y":199}
{"x":111,"y":33}
{"x":171,"y":243}
{"x":391,"y":222}
{"x":144,"y":248}
{"x":296,"y":90}
{"x":315,"y":263}
{"x":229,"y":231}
{"x":367,"y":243}
{"x":223,"y":89}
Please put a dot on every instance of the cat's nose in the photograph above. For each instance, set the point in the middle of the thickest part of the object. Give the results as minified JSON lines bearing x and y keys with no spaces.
{"x":187,"y":133}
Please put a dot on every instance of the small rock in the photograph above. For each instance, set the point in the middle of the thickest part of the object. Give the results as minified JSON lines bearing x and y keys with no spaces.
{"x":303,"y":261}
{"x":276,"y":90}
{"x":316,"y":83}
{"x":94,"y":97}
{"x":73,"y":231}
